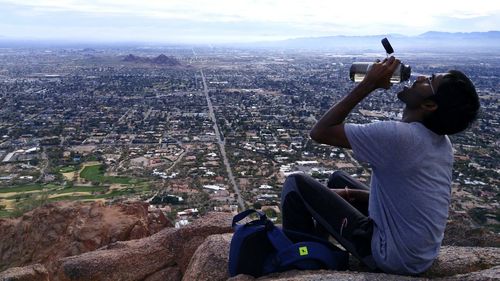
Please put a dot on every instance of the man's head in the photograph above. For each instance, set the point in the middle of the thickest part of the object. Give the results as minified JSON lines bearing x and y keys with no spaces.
{"x":446,"y":103}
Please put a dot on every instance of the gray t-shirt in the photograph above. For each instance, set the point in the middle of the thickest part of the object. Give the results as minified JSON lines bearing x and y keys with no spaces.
{"x":410,"y":191}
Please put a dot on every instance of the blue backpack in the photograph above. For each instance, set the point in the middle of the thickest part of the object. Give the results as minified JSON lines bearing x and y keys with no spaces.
{"x":259,"y":248}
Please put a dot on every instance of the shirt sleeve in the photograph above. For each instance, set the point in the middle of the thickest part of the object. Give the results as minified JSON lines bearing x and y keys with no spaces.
{"x":376,"y":143}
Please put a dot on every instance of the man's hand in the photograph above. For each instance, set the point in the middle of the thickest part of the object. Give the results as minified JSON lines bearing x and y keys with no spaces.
{"x":379,"y":75}
{"x":330,"y":128}
{"x":353,"y":195}
{"x":356,"y":197}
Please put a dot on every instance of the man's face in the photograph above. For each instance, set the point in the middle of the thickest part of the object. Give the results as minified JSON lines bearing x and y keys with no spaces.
{"x":423,"y":88}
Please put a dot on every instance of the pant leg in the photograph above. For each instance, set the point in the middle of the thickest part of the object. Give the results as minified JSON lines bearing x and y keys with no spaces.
{"x":295,"y":215}
{"x":304,"y":198}
{"x":340,"y":179}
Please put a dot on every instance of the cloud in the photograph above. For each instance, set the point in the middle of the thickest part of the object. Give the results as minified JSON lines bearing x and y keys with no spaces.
{"x":270,"y":11}
{"x":283,"y":18}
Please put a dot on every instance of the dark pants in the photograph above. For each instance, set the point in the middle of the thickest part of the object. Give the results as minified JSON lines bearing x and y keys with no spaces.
{"x":310,"y":207}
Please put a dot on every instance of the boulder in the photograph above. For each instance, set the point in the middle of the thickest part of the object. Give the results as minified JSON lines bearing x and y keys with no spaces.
{"x":143,"y":258}
{"x":461,"y":231}
{"x":458,"y":260}
{"x":61,"y":229}
{"x":482,"y":275}
{"x":210,"y":263}
{"x":326,"y":275}
{"x":168,"y":274}
{"x":34,"y":272}
{"x":294,"y":275}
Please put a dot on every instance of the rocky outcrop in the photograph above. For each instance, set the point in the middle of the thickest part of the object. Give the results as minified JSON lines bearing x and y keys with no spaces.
{"x":315,"y":275}
{"x":162,"y":254}
{"x":482,"y":275}
{"x":200,"y":252}
{"x":324,"y":275}
{"x":34,"y":272}
{"x":210,"y":263}
{"x":62,"y":229}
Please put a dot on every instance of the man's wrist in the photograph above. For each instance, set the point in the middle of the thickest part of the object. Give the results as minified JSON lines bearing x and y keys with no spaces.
{"x":367,"y":86}
{"x":347,"y":197}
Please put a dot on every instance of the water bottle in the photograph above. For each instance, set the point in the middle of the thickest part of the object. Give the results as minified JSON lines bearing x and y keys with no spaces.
{"x":359,"y":69}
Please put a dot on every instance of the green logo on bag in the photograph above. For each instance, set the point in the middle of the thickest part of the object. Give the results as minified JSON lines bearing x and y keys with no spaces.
{"x":303,"y":251}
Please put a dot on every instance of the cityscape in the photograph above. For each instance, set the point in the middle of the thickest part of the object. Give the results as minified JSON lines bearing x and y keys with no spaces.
{"x":192,"y":130}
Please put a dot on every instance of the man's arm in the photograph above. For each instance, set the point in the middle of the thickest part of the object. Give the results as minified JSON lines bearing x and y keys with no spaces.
{"x":330,"y":128}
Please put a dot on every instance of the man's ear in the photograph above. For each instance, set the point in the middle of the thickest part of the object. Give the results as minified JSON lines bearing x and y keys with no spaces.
{"x":429,"y":106}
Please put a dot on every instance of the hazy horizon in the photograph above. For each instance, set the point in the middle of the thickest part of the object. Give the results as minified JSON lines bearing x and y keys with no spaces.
{"x":225,"y":21}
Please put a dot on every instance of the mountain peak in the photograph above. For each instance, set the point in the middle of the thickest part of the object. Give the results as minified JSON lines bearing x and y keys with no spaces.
{"x":161,"y":60}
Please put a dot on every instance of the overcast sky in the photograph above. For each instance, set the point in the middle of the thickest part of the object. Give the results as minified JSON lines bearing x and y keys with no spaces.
{"x":190,"y":21}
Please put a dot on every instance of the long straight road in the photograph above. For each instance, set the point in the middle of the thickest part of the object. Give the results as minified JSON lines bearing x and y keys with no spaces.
{"x":222,"y":144}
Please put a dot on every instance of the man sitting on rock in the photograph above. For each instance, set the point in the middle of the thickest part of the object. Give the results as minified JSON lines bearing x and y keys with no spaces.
{"x":397,"y":224}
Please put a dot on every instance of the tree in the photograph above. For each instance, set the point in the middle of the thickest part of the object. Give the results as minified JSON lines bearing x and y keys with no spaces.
{"x":257,"y":205}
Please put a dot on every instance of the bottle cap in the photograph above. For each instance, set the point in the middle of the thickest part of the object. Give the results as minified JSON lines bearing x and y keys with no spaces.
{"x":387,"y":46}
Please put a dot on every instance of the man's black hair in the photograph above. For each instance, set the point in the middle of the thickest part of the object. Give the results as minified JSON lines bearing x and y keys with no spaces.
{"x":458,"y":105}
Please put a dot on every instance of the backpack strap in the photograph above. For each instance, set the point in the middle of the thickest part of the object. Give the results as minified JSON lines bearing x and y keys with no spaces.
{"x":277,"y":237}
{"x":262,"y":217}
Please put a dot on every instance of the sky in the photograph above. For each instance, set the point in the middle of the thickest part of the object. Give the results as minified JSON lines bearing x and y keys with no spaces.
{"x":225,"y":21}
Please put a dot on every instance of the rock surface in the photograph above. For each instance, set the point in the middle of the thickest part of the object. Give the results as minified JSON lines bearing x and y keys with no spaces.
{"x":461,"y":232}
{"x":483,"y":275}
{"x":34,"y":272}
{"x":62,"y":229}
{"x":144,"y":258}
{"x":458,"y":260}
{"x":210,"y":263}
{"x":167,"y":274}
{"x":324,"y":275}
{"x":200,"y":252}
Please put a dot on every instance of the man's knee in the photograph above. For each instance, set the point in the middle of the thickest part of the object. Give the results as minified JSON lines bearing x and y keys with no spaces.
{"x":335,"y":176}
{"x":292,"y":183}
{"x":338,"y":174}
{"x":297,"y":179}
{"x":296,"y":176}
{"x":292,"y":180}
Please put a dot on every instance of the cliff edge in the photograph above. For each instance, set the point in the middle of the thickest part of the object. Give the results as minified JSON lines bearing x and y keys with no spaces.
{"x":56,"y":230}
{"x":198,"y":251}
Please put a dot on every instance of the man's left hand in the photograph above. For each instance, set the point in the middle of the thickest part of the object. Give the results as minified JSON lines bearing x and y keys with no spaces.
{"x":379,"y":75}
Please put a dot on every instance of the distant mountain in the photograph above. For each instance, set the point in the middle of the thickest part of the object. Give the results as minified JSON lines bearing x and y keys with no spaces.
{"x":88,"y":50}
{"x":160,"y":60}
{"x":132,"y":58}
{"x":164,"y":60}
{"x":462,"y":35}
{"x":430,"y":41}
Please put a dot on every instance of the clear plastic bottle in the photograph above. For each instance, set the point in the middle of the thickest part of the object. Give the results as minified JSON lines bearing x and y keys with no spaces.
{"x":359,"y":69}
